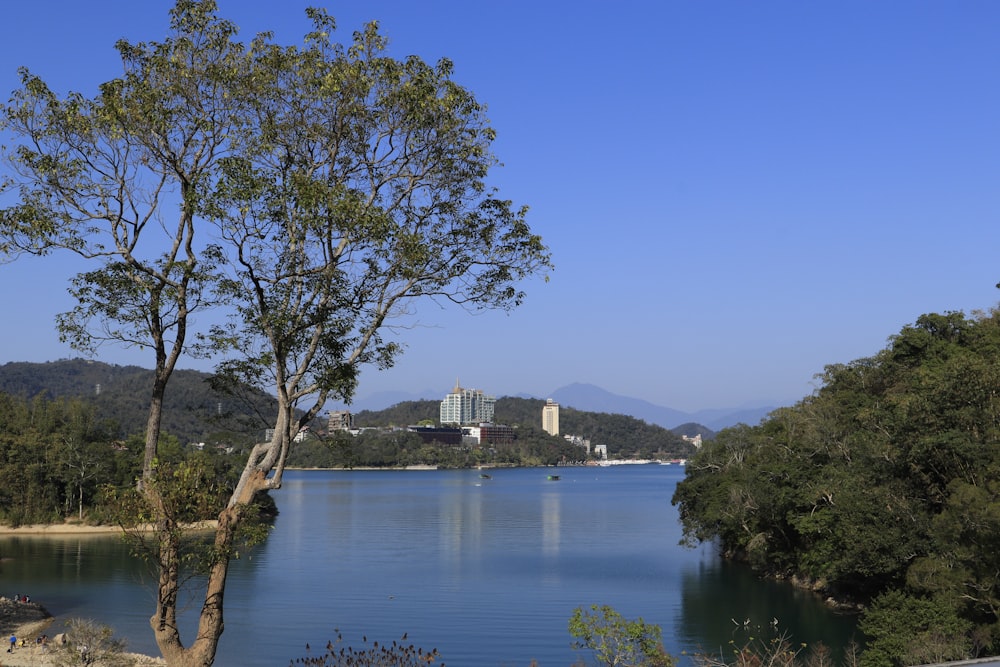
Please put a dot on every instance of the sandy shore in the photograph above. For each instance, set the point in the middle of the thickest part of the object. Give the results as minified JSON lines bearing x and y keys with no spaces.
{"x":82,"y":529}
{"x":12,"y":620}
{"x":36,"y":657}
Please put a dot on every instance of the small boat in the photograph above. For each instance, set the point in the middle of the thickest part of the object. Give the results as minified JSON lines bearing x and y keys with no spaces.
{"x":553,"y":478}
{"x":483,"y":475}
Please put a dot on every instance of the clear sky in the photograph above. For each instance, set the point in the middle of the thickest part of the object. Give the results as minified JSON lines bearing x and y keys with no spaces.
{"x":735,"y":193}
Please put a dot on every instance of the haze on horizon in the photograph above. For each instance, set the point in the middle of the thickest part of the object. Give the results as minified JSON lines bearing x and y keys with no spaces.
{"x":735,"y":194}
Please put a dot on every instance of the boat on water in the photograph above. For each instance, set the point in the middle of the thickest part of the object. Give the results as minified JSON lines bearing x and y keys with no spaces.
{"x":553,"y":478}
{"x":483,"y":475}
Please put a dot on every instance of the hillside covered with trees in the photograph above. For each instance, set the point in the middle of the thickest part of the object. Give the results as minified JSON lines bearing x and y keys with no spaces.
{"x":60,"y":461}
{"x":625,"y":436}
{"x":389,"y":445}
{"x":194,"y":410}
{"x":882,"y":489}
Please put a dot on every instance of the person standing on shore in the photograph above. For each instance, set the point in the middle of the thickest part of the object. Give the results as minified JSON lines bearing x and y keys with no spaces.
{"x":13,"y":642}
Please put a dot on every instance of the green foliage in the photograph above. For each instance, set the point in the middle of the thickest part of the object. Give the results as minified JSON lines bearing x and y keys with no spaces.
{"x":197,"y":409}
{"x":53,"y":457}
{"x":617,"y":641}
{"x":906,"y":630}
{"x":883,"y":485}
{"x":395,"y":654}
{"x":59,"y":462}
{"x":310,"y":193}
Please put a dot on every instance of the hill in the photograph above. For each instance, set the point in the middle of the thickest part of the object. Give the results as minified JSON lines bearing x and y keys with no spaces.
{"x":193,"y":410}
{"x":592,"y":398}
{"x":624,"y":435}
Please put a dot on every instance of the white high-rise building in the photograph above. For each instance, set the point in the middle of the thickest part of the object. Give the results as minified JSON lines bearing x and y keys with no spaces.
{"x":467,"y":406}
{"x":550,"y":417}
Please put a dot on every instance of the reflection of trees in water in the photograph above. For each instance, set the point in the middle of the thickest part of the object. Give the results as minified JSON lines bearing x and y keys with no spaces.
{"x":724,"y":602}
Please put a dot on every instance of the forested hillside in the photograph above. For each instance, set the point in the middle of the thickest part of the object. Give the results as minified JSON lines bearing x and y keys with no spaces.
{"x":625,"y":436}
{"x":193,"y":410}
{"x":882,"y":488}
{"x":58,"y":460}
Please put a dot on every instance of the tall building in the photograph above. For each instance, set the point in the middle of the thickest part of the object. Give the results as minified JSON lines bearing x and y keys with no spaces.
{"x":340,"y":420}
{"x":467,"y":406}
{"x":550,"y":417}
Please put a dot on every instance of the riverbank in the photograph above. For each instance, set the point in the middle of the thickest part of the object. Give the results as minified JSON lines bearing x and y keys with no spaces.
{"x":56,"y":529}
{"x":29,"y":620}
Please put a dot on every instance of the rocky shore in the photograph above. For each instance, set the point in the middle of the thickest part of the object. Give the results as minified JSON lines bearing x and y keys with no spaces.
{"x":22,"y":618}
{"x":29,"y":620}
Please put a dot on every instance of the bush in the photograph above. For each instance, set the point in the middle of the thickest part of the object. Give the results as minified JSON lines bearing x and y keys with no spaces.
{"x":617,"y":641}
{"x":393,"y":655}
{"x":90,"y":643}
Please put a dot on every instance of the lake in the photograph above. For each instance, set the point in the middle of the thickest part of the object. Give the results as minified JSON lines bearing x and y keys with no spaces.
{"x":488,"y":571}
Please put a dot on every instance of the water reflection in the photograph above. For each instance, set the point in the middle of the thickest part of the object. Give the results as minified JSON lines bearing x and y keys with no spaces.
{"x":487,"y":572}
{"x":723,"y":605}
{"x":550,"y":523}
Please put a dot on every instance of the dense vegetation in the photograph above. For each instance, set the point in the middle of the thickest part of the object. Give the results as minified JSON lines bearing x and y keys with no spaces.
{"x":60,"y":461}
{"x":882,"y":488}
{"x":194,"y":410}
{"x":624,"y":437}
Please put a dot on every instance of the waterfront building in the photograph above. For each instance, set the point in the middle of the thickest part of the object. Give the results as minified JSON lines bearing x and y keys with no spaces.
{"x":340,"y":420}
{"x":439,"y":435}
{"x":467,"y":406}
{"x":550,"y":417}
{"x":489,"y":434}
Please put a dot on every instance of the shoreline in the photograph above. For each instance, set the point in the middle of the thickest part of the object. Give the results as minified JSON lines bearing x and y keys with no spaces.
{"x":29,"y":620}
{"x":79,"y":529}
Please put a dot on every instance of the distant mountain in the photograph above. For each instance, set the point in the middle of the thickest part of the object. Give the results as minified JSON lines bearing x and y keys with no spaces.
{"x":589,"y":397}
{"x":592,"y":398}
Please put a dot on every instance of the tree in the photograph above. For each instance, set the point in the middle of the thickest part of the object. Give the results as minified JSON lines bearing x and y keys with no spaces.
{"x":355,"y":189}
{"x":100,"y":177}
{"x":358,"y":187}
{"x":617,"y":641}
{"x":317,"y":194}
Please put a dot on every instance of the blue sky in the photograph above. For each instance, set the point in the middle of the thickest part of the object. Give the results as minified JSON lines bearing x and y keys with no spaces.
{"x":735,"y":194}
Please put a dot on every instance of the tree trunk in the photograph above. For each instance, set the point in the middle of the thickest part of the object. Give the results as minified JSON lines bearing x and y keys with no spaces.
{"x":211,"y":622}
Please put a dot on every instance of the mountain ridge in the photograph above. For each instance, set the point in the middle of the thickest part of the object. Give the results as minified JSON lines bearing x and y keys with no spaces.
{"x":80,"y":377}
{"x":591,"y":398}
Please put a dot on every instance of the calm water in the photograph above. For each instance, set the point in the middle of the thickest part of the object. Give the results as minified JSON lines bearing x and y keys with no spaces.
{"x":486,"y":571}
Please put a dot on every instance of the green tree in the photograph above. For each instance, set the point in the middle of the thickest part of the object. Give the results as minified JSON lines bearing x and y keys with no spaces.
{"x":907,"y":630}
{"x":617,"y":641}
{"x":121,"y":179}
{"x":880,"y":488}
{"x":314,"y":193}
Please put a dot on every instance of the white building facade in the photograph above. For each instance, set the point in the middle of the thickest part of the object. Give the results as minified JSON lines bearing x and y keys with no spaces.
{"x":467,"y":406}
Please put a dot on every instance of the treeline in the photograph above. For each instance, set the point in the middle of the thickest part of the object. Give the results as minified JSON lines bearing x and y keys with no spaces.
{"x":400,"y":448}
{"x":882,"y":489}
{"x":58,"y":460}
